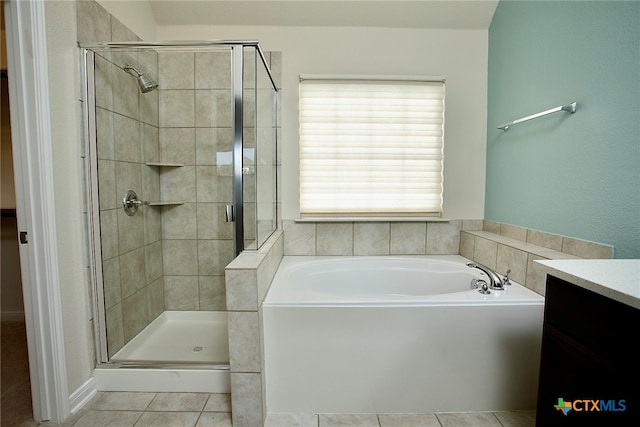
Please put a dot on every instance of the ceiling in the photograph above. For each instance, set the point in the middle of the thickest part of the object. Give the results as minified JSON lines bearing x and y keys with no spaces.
{"x":437,"y":14}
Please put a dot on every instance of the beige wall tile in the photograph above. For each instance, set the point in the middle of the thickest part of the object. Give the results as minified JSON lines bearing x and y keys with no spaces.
{"x":103,"y":81}
{"x":134,"y":314}
{"x":181,"y":292}
{"x":586,"y":249}
{"x":212,"y":293}
{"x":104,"y":134}
{"x":485,"y":252}
{"x":150,"y":184}
{"x":128,"y":177}
{"x":115,"y":335}
{"x":107,"y":184}
{"x":152,"y":223}
{"x":109,"y":233}
{"x":536,"y":275}
{"x":130,"y":232}
{"x":546,"y":240}
{"x":180,"y":257}
{"x":213,"y":70}
{"x":178,"y":184}
{"x":443,"y":237}
{"x":132,"y":272}
{"x":241,"y":289}
{"x":371,"y":238}
{"x":153,"y":261}
{"x":178,"y":145}
{"x":111,"y":282}
{"x":120,"y":32}
{"x":408,"y":238}
{"x":213,"y":256}
{"x":176,"y":108}
{"x":213,"y":108}
{"x":176,"y":70}
{"x":514,"y":232}
{"x":334,"y":239}
{"x":512,"y":259}
{"x":467,"y":245}
{"x":246,"y":399}
{"x":155,"y":298}
{"x":149,"y":136}
{"x":125,"y":88}
{"x":179,"y":222}
{"x":244,"y":342}
{"x":94,"y":22}
{"x":491,"y":226}
{"x":213,"y":146}
{"x":213,"y":188}
{"x":299,"y":238}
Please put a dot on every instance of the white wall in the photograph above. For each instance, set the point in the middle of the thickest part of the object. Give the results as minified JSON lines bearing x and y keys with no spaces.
{"x":66,"y":126}
{"x":458,"y":55}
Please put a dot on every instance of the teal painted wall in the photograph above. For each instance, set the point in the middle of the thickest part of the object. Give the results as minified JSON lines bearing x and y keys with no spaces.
{"x":578,"y":174}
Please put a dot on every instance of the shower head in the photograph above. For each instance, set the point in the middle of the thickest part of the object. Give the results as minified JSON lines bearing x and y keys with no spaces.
{"x":146,"y":83}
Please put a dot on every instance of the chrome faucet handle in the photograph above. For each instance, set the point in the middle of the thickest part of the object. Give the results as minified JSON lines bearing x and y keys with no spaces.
{"x":505,"y":280}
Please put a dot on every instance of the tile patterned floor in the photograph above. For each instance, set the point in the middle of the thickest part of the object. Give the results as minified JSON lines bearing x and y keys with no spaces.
{"x":128,"y":409}
{"x":466,"y":419}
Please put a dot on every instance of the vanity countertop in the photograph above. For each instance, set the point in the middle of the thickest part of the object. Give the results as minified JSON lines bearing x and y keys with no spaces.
{"x":618,"y":279}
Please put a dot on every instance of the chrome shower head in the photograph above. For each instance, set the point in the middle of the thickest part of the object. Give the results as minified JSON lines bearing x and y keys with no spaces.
{"x":146,"y":83}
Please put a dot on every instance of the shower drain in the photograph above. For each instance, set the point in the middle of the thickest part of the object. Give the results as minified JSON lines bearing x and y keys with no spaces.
{"x":197,"y":348}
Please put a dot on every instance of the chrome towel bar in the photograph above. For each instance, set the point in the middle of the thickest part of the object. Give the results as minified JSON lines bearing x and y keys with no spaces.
{"x":571,"y":108}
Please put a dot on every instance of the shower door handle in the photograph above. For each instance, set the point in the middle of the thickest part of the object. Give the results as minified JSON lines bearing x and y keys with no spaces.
{"x":230,"y":213}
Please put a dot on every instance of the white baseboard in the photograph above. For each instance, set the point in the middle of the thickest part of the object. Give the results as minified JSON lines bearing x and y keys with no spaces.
{"x":82,"y":395}
{"x":12,"y":316}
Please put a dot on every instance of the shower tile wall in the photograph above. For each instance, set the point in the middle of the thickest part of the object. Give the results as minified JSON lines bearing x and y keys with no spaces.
{"x":195,"y":131}
{"x":127,"y":137}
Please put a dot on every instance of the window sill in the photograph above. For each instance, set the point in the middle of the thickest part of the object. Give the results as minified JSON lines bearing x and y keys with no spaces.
{"x":373,"y":219}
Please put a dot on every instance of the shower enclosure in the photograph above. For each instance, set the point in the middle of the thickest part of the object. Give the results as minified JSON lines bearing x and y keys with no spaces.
{"x":181,"y":178}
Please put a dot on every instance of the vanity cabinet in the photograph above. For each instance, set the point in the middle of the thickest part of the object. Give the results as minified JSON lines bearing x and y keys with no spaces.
{"x":590,"y":359}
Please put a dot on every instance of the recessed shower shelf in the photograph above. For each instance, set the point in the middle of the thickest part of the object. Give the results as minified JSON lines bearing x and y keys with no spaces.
{"x":168,"y":203}
{"x":165,"y":165}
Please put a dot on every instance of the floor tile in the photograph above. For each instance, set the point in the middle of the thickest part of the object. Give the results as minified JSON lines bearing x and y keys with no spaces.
{"x":517,"y":418}
{"x":168,"y":419}
{"x":291,"y":420}
{"x":214,"y":419}
{"x":178,"y":402}
{"x":108,"y":419}
{"x":218,"y":403}
{"x":468,"y":419}
{"x":348,"y":420}
{"x":123,"y":401}
{"x":408,"y":420}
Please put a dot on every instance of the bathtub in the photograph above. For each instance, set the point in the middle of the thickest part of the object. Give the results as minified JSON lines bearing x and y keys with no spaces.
{"x":397,"y":334}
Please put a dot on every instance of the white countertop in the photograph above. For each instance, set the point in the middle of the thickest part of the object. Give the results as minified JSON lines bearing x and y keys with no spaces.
{"x":618,"y":279}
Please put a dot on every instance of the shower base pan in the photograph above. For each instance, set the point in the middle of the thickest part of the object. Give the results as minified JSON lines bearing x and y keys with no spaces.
{"x":180,"y":351}
{"x":180,"y":337}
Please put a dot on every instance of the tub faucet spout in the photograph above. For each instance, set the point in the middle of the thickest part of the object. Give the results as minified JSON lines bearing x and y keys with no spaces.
{"x":495,"y":280}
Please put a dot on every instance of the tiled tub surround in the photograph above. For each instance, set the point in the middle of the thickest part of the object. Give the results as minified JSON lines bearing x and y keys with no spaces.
{"x":375,"y":238}
{"x":505,"y":247}
{"x":248,"y":278}
{"x":499,"y":246}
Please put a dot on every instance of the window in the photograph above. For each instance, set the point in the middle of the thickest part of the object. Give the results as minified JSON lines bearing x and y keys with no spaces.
{"x":371,"y":147}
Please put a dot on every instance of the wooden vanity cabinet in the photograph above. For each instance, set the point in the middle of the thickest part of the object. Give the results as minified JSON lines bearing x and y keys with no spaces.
{"x":590,"y":358}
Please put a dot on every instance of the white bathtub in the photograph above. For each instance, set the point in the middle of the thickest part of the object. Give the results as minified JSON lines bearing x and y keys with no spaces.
{"x":397,"y":335}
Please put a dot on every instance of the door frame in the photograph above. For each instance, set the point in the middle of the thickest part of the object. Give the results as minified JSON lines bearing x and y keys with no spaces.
{"x":27,"y":67}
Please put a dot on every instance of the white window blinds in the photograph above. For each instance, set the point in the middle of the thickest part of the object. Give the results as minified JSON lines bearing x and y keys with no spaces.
{"x":371,"y":147}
